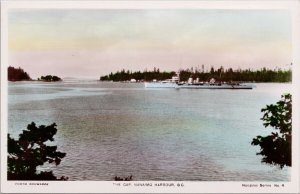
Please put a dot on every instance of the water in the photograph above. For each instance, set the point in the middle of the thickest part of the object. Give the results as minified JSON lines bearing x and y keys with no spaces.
{"x":122,"y":129}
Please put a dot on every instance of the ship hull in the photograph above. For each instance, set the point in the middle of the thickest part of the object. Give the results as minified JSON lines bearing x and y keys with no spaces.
{"x":191,"y":86}
{"x":160,"y":85}
{"x":225,"y":86}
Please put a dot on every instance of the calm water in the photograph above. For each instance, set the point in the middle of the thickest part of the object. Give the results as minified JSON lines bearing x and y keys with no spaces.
{"x":119,"y":129}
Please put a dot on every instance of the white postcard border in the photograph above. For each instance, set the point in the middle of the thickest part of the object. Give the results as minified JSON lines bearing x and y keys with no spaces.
{"x":179,"y":186}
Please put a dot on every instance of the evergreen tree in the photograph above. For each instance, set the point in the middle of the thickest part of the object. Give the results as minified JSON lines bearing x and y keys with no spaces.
{"x":31,"y":151}
{"x":221,"y":74}
{"x":276,"y":148}
{"x":17,"y":74}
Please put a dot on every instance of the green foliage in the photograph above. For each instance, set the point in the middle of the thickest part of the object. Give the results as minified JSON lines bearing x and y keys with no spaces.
{"x":276,"y":148}
{"x":30,"y":151}
{"x":145,"y":76}
{"x":55,"y":78}
{"x":247,"y":75}
{"x":50,"y":78}
{"x":17,"y":74}
{"x":221,"y":74}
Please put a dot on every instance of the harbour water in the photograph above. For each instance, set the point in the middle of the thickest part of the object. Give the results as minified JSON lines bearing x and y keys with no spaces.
{"x":121,"y":129}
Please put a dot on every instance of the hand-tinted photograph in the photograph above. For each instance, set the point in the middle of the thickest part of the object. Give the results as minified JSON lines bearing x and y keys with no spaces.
{"x":149,"y":95}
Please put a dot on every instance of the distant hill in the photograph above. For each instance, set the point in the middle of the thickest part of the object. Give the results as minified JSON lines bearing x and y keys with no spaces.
{"x":17,"y":74}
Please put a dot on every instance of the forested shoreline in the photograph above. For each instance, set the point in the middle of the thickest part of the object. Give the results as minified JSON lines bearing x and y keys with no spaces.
{"x":221,"y":74}
{"x":18,"y":74}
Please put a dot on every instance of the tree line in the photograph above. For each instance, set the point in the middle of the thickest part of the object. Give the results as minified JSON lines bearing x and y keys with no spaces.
{"x":138,"y":75}
{"x":17,"y":74}
{"x":221,"y":74}
{"x":49,"y":78}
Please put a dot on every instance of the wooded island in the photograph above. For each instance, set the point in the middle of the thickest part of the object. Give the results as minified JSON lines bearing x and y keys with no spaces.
{"x":18,"y":74}
{"x":221,"y":74}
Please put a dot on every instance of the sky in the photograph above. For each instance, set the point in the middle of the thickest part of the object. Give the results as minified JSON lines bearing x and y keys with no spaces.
{"x":93,"y":43}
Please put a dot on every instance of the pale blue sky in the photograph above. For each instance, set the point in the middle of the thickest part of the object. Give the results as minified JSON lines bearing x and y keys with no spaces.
{"x":96,"y":42}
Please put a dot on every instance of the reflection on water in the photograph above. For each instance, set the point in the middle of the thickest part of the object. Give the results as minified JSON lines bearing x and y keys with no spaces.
{"x":119,"y":129}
